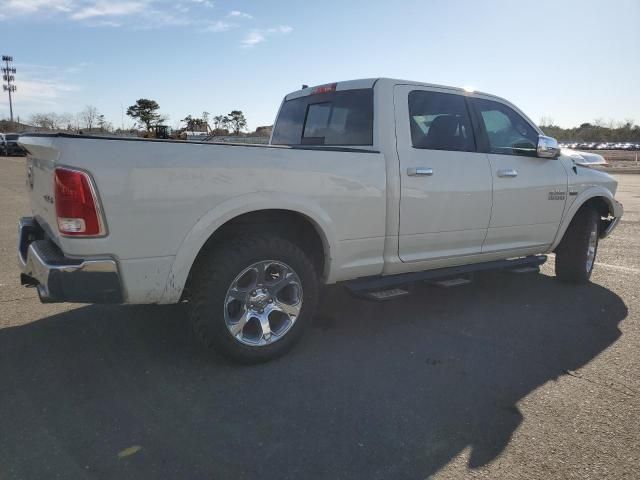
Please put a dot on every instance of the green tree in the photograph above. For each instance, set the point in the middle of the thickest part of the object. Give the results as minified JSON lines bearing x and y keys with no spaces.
{"x":220,"y":122}
{"x":237,"y":121}
{"x":145,"y":111}
{"x":194,"y":124}
{"x":205,"y":120}
{"x":103,"y":123}
{"x":89,"y":116}
{"x":597,"y":131}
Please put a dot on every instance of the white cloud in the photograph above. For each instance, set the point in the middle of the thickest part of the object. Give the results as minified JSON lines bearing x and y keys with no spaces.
{"x":151,"y":18}
{"x":10,"y":7}
{"x":219,"y":26}
{"x":252,"y":39}
{"x":33,"y":90}
{"x":284,"y":29}
{"x":239,"y":14}
{"x":137,"y":15}
{"x":255,"y":37}
{"x":108,"y":9}
{"x":106,"y":23}
{"x":78,"y":67}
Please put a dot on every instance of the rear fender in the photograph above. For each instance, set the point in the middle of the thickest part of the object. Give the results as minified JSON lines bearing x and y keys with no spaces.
{"x":209,"y":223}
{"x":42,"y":148}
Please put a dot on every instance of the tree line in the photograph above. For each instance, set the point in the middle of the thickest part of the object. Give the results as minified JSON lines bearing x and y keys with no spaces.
{"x":146,"y":115}
{"x":598,"y":131}
{"x":145,"y":112}
{"x":234,"y":122}
{"x":89,"y":118}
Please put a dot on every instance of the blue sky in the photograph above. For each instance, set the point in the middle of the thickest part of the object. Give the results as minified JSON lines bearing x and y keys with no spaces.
{"x":570,"y":60}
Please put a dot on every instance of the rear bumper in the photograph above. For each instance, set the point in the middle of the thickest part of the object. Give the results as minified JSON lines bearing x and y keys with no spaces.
{"x":62,"y":279}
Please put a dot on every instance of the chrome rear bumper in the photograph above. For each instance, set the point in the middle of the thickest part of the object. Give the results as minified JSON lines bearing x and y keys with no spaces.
{"x":62,"y":279}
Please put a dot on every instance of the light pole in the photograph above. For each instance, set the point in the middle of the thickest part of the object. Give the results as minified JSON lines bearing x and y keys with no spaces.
{"x":8,"y":75}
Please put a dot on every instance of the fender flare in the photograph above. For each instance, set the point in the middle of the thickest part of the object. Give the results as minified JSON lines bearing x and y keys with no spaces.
{"x":584,"y":196}
{"x":211,"y":221}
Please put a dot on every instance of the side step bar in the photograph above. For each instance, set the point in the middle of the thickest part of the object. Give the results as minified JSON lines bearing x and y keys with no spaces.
{"x":367,"y":286}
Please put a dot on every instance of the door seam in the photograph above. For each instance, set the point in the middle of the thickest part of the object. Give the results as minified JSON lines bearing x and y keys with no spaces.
{"x":486,"y":234}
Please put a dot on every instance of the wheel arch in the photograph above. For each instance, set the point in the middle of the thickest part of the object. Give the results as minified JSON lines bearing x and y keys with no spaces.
{"x":300,"y":220}
{"x":595,"y":197}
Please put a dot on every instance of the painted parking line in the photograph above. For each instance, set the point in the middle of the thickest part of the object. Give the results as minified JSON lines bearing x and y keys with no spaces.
{"x":608,"y":265}
{"x":618,"y":267}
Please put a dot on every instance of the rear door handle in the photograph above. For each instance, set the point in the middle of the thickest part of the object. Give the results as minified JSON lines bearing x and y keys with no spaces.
{"x":508,"y":172}
{"x":420,"y":172}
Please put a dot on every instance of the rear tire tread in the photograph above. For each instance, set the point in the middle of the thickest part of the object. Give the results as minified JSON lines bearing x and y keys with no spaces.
{"x":213,"y":275}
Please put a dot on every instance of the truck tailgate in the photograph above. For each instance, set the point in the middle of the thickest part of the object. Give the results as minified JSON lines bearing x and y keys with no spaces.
{"x":41,"y":162}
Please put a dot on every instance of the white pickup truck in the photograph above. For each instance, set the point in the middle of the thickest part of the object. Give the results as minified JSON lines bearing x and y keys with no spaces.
{"x":376,"y":183}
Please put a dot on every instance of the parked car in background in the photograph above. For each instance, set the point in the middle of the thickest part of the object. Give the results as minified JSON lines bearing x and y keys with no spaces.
{"x":601,"y":145}
{"x":9,"y":145}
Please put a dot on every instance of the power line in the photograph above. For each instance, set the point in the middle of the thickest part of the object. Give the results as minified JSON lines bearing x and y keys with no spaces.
{"x":8,"y":75}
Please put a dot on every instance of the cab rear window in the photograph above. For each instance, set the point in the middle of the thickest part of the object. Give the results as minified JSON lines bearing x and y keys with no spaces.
{"x":334,"y":118}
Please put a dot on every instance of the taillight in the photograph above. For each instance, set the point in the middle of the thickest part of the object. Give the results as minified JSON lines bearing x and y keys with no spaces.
{"x":330,"y":87}
{"x":76,"y":204}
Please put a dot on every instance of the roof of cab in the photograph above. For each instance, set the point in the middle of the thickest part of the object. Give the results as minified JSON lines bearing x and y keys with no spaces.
{"x":371,"y":82}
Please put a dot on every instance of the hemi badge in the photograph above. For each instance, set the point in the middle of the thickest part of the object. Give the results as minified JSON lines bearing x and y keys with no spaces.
{"x":573,"y":193}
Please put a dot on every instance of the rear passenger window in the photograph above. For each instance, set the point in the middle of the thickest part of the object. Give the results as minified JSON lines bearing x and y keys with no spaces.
{"x":440,"y":121}
{"x":507,"y":131}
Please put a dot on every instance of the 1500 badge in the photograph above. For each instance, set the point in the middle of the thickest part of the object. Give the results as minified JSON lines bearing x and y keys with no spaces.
{"x":557,"y":195}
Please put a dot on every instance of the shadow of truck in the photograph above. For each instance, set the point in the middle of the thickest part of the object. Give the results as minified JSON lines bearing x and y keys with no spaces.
{"x":391,"y":390}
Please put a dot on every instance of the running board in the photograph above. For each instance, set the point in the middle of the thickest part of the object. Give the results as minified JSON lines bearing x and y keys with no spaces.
{"x":525,"y":269}
{"x":386,"y":287}
{"x":451,"y":282}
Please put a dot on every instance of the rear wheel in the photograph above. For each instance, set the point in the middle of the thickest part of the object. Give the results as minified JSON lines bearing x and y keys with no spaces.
{"x":576,"y":254}
{"x":253,"y":297}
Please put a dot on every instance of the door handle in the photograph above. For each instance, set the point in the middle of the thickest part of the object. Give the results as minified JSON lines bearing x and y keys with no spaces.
{"x":508,"y":172}
{"x":420,"y":172}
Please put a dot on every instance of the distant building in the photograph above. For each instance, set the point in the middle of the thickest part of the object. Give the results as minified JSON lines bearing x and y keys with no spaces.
{"x":6,"y":126}
{"x":264,"y":131}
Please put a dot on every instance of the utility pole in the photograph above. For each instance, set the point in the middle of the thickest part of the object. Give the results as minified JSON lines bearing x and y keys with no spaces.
{"x":8,"y":75}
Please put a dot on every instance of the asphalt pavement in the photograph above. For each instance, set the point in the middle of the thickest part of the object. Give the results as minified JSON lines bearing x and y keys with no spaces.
{"x":512,"y":376}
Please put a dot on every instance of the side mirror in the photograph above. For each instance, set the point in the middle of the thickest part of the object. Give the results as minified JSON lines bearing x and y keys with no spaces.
{"x":547,"y":147}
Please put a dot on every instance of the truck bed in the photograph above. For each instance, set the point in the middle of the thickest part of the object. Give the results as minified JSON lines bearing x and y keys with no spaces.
{"x":158,"y":194}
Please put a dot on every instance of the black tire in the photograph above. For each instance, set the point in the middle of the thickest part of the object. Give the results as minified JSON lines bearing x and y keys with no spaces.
{"x":572,"y":255}
{"x":216,"y":271}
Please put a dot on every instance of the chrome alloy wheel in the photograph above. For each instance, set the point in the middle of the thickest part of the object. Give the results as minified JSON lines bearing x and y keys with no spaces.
{"x":263,"y":303}
{"x":591,"y":248}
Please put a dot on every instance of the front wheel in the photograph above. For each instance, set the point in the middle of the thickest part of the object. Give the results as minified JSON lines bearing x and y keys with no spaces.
{"x":253,"y":297}
{"x":576,"y":254}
